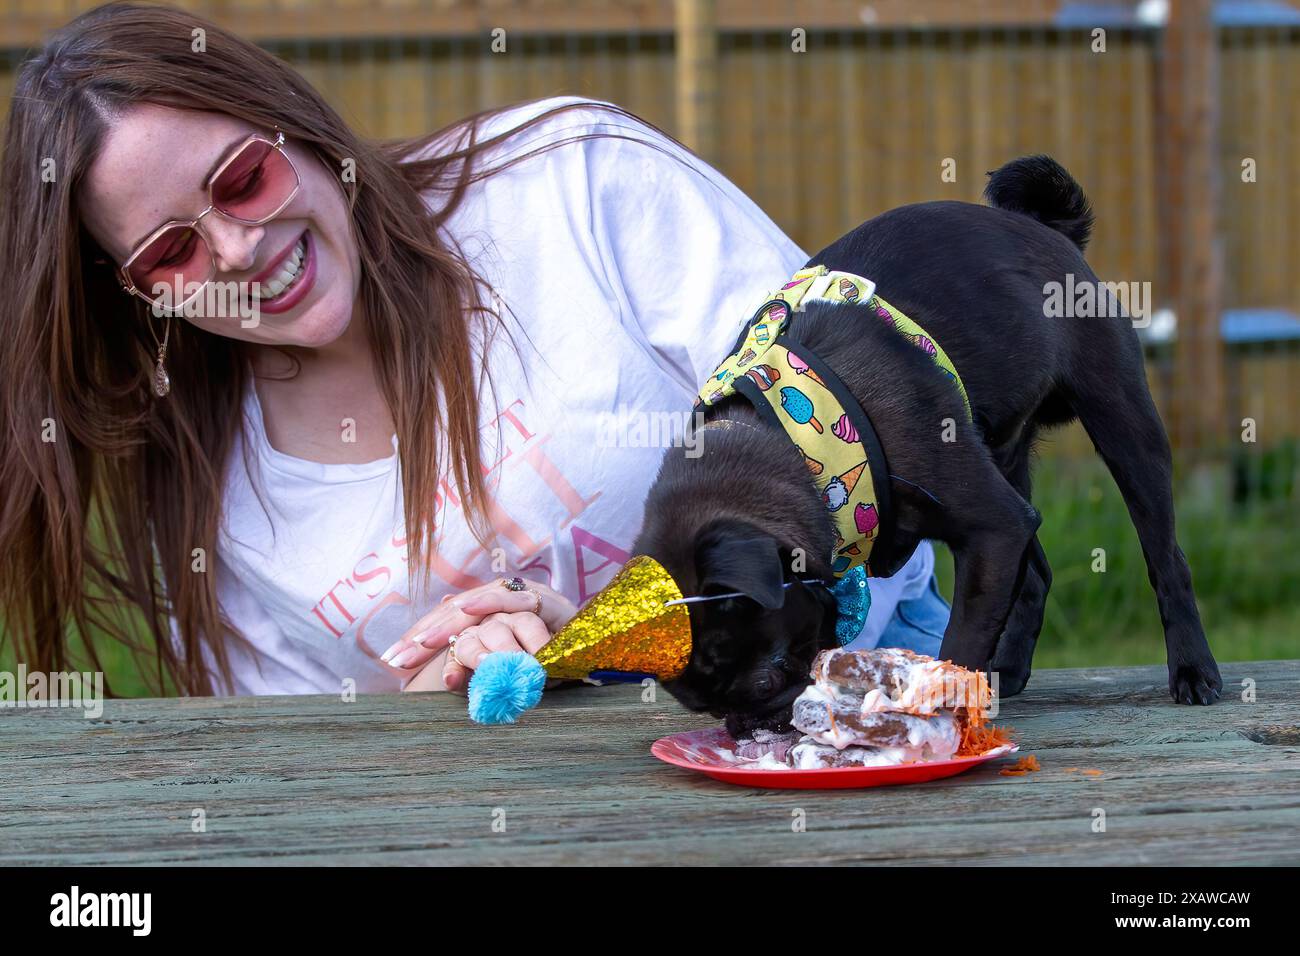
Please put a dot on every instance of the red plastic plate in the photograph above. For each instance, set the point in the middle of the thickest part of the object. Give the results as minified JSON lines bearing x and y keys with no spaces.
{"x":702,"y":751}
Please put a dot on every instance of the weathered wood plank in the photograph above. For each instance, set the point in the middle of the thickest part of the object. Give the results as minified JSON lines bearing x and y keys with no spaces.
{"x":406,"y":779}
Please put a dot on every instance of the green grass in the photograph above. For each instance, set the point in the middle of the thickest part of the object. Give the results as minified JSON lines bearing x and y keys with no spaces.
{"x":1245,"y":568}
{"x":1244,"y":563}
{"x":120,"y":669}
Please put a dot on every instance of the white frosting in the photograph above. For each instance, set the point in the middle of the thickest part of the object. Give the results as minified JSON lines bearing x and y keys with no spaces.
{"x":805,"y":757}
{"x":860,"y":696}
{"x":765,"y":762}
{"x":918,"y":696}
{"x":920,"y":677}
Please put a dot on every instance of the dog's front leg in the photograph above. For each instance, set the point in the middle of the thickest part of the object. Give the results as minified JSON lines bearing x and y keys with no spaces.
{"x":990,"y":570}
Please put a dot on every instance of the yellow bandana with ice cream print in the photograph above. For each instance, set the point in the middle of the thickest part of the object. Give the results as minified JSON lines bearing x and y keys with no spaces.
{"x":789,"y":382}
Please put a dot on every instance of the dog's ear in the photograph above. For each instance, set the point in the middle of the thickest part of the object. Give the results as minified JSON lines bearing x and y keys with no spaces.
{"x":822,"y":598}
{"x":735,"y":556}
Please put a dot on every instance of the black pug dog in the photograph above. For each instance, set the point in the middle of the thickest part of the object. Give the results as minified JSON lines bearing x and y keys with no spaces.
{"x":736,"y":518}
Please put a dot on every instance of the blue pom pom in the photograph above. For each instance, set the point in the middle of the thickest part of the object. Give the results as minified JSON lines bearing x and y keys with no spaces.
{"x":506,"y":684}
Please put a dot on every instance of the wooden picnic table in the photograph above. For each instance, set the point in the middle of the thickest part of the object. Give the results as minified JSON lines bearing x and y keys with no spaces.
{"x":407,"y":779}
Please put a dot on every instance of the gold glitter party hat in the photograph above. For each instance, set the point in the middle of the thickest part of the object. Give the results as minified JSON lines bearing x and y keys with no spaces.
{"x":626,"y":627}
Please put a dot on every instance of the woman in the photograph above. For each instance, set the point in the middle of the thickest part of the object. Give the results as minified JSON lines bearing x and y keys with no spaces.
{"x":280,"y":482}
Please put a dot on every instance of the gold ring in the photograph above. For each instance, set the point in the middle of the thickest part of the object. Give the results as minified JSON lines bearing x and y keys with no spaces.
{"x":537,"y":608}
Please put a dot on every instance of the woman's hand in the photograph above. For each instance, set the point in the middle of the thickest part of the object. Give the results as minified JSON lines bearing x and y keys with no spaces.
{"x":483,"y":619}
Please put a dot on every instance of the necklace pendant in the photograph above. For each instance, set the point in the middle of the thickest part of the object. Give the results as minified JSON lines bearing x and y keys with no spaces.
{"x":162,"y":383}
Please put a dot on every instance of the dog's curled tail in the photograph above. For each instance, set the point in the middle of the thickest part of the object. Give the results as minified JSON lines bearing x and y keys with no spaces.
{"x":1039,"y":187}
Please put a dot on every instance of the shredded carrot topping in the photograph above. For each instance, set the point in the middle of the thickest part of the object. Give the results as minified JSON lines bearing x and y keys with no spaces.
{"x":1022,"y":766}
{"x":979,"y":738}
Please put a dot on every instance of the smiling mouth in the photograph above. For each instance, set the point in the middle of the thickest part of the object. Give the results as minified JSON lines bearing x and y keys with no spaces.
{"x":287,"y":276}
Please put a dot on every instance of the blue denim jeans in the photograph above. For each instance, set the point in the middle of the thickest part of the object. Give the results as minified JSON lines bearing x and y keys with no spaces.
{"x":918,"y":623}
{"x":907,"y":609}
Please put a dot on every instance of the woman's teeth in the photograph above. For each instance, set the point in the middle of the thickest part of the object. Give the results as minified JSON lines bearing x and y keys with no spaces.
{"x":280,"y":283}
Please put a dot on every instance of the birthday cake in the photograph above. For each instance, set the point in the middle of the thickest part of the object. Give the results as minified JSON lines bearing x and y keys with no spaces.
{"x":880,"y":708}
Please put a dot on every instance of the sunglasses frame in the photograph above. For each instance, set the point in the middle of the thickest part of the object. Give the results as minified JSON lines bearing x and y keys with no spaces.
{"x":128,"y":284}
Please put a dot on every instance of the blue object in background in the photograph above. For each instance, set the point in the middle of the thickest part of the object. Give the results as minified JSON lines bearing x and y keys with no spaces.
{"x":1154,"y":14}
{"x":918,"y":623}
{"x":618,"y":677}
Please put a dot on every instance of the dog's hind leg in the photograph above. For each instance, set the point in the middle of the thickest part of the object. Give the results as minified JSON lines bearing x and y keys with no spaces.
{"x":1013,"y":657}
{"x":1015,"y":649}
{"x":1122,"y":421}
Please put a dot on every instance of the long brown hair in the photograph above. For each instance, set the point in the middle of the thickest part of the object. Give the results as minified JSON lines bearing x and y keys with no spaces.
{"x":105,"y":492}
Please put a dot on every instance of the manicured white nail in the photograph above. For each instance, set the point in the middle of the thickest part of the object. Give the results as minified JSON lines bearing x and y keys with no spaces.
{"x":401,"y":659}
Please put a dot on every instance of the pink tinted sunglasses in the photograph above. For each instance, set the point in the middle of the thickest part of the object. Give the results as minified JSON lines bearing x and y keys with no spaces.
{"x":253,"y":186}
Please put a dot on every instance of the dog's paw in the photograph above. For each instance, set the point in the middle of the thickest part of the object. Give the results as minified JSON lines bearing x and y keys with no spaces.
{"x":1010,"y":681}
{"x":1011,"y":663}
{"x":1197,"y":683}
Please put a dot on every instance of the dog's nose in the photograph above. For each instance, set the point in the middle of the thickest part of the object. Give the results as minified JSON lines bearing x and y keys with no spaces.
{"x":767,"y":681}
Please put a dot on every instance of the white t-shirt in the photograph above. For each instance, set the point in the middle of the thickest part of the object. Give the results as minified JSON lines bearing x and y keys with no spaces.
{"x":631,"y":275}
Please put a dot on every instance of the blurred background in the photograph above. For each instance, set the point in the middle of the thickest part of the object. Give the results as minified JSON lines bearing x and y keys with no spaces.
{"x":1177,"y":117}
